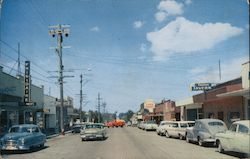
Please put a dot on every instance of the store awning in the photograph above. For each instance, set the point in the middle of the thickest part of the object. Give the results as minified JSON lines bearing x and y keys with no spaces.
{"x":242,"y":92}
{"x":188,"y":102}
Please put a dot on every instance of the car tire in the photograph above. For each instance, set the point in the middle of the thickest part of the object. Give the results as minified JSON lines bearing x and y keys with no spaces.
{"x":41,"y":145}
{"x":200,"y":142}
{"x":220,"y":149}
{"x":82,"y":139}
{"x":180,"y":137}
{"x":167,"y":135}
{"x":187,"y":139}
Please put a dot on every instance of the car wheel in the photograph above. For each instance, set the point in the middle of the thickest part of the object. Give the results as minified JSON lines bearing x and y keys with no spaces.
{"x":187,"y":139}
{"x":42,"y":145}
{"x":82,"y":139}
{"x":180,"y":137}
{"x":220,"y":149}
{"x":200,"y":142}
{"x":167,"y":135}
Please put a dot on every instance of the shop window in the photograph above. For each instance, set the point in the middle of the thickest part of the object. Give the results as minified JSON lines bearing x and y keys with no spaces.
{"x":200,"y":113}
{"x":210,"y":115}
{"x":13,"y":118}
{"x":233,"y":116}
{"x":3,"y":121}
{"x":28,"y":117}
{"x":221,"y":116}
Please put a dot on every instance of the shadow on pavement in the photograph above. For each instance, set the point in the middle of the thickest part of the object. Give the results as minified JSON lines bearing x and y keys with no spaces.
{"x":9,"y":152}
{"x":95,"y":140}
{"x":237,"y":154}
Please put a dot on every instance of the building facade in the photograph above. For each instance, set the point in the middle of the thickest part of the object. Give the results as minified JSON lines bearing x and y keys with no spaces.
{"x":228,"y":101}
{"x":12,"y":108}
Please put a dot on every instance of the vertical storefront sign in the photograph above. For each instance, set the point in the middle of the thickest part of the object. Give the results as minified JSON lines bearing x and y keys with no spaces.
{"x":27,"y":85}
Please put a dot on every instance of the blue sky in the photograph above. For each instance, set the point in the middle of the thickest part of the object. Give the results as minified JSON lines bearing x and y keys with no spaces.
{"x":136,"y":49}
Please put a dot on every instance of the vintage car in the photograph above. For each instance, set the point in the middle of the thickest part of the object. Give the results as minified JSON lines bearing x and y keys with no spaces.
{"x":141,"y":125}
{"x":160,"y":129}
{"x":149,"y":125}
{"x":77,"y":128}
{"x":22,"y":137}
{"x":237,"y":138}
{"x":204,"y":131}
{"x":93,"y":131}
{"x":177,"y":128}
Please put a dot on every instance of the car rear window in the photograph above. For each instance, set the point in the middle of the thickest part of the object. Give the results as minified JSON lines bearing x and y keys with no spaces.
{"x":191,"y":124}
{"x":243,"y":129}
{"x":150,"y":122}
{"x":93,"y":126}
{"x":184,"y":125}
{"x":215,"y":123}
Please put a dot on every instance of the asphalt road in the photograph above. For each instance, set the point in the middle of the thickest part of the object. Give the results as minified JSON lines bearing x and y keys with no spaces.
{"x":123,"y":143}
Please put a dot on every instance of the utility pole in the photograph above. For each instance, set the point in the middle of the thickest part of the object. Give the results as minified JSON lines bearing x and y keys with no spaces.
{"x":1,"y":5}
{"x":18,"y":62}
{"x":81,"y":99}
{"x":104,"y":107}
{"x":59,"y":31}
{"x":99,"y":108}
{"x":219,"y":71}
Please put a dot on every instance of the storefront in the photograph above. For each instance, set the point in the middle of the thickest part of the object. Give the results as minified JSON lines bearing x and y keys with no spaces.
{"x":12,"y":108}
{"x":189,"y":110}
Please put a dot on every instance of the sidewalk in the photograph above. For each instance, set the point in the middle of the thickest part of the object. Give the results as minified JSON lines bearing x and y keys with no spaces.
{"x":56,"y":135}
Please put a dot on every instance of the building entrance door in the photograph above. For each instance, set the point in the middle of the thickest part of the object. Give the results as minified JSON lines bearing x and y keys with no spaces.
{"x":191,"y":114}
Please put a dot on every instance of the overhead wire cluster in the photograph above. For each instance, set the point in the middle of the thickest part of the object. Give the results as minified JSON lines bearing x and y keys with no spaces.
{"x":37,"y":72}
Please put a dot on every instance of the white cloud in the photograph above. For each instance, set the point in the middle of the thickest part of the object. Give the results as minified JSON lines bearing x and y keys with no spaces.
{"x":171,"y":7}
{"x":184,"y":36}
{"x":160,"y":16}
{"x":95,"y":29}
{"x":143,"y":47}
{"x":187,"y":2}
{"x":168,"y":8}
{"x":229,"y":70}
{"x":138,"y":24}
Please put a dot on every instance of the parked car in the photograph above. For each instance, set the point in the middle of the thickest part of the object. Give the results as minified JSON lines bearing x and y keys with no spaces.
{"x":141,"y":125}
{"x":150,"y":125}
{"x":93,"y":131}
{"x":204,"y":131}
{"x":128,"y":123}
{"x":23,"y":137}
{"x":237,"y":138}
{"x":177,"y":128}
{"x":77,"y":128}
{"x":160,"y":129}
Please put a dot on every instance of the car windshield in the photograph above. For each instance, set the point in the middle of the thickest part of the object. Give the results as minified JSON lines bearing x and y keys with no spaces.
{"x":93,"y":126}
{"x":19,"y":129}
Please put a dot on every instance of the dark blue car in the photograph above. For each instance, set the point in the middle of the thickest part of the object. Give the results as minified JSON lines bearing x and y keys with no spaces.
{"x":22,"y":137}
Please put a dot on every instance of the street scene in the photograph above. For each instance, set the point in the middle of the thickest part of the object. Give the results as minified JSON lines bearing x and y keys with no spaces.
{"x":128,"y":142}
{"x":124,"y":79}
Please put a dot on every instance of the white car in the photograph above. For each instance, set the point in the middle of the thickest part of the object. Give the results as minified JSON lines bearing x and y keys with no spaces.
{"x":141,"y":125}
{"x":150,"y":125}
{"x":160,"y":129}
{"x":237,"y":138}
{"x":204,"y":131}
{"x":177,"y":128}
